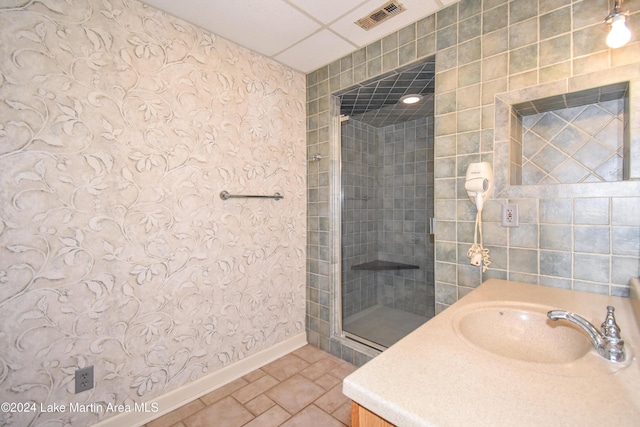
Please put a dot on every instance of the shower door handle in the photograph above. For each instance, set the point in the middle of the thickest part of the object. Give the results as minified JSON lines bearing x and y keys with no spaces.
{"x":432,"y":226}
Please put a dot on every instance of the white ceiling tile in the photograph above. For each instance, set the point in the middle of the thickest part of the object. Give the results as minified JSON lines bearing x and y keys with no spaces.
{"x":316,"y":51}
{"x":416,"y":9}
{"x":327,"y":11}
{"x":265,"y":26}
{"x":271,"y":27}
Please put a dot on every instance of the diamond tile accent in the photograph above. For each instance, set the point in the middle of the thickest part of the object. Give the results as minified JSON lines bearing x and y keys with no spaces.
{"x":575,"y":144}
{"x":593,"y":154}
{"x":531,"y":144}
{"x":571,"y":171}
{"x":533,"y":174}
{"x":549,"y":158}
{"x":593,"y":119}
{"x":570,"y":140}
{"x":548,"y":126}
{"x":610,"y":170}
{"x":611,"y":134}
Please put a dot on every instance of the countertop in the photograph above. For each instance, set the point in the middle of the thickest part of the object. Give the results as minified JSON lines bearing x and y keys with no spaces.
{"x":432,"y":377}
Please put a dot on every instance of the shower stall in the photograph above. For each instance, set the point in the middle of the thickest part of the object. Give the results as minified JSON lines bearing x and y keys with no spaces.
{"x":387,"y":252}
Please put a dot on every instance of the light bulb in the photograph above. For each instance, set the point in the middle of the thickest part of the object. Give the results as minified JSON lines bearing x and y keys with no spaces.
{"x":411,"y":99}
{"x":619,"y":34}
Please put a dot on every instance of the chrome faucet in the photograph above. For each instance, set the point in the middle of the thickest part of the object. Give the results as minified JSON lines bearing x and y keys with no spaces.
{"x":606,"y":341}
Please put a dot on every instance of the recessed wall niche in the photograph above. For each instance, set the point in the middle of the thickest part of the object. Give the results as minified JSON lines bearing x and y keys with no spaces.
{"x":578,"y":137}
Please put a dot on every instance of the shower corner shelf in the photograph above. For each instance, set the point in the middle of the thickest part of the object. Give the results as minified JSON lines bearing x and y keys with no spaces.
{"x":384,"y":265}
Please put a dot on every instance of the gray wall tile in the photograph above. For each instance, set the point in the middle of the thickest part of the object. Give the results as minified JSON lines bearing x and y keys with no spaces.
{"x":555,"y":211}
{"x":593,"y":268}
{"x":556,"y":264}
{"x":592,"y":239}
{"x":479,"y":56}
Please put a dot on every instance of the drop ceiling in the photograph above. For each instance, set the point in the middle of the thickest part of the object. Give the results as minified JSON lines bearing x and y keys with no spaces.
{"x":302,"y":34}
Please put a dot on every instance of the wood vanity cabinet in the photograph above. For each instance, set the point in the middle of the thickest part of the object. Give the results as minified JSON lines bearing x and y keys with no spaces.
{"x":362,"y":417}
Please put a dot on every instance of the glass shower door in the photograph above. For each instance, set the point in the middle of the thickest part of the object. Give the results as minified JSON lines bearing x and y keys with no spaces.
{"x":387,"y":252}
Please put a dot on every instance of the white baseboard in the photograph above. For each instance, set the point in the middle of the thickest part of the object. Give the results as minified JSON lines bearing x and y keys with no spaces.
{"x":193,"y":390}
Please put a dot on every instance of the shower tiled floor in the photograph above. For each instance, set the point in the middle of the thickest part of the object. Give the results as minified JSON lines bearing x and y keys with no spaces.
{"x":382,"y":325}
{"x":303,"y":388}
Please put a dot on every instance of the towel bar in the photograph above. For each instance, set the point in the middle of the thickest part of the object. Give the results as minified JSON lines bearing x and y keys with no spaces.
{"x":224,"y":195}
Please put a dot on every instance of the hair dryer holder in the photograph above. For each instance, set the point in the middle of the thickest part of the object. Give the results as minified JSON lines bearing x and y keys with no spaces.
{"x":479,"y":183}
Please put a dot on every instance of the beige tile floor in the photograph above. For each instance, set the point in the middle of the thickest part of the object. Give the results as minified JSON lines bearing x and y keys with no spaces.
{"x":303,"y":388}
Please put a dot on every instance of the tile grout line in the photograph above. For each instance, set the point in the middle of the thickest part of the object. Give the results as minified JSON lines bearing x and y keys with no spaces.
{"x":308,"y":364}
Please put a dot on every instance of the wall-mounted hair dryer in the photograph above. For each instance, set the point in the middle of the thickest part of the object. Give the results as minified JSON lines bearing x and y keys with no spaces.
{"x":479,"y":184}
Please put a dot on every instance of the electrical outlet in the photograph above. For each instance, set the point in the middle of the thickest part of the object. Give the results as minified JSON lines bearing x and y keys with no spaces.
{"x":84,"y":379}
{"x":510,"y":215}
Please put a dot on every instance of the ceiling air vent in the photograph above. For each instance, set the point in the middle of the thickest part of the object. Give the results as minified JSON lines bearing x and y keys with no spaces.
{"x":380,"y":15}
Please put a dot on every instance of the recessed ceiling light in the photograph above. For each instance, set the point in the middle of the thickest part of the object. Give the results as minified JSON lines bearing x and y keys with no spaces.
{"x":411,"y":98}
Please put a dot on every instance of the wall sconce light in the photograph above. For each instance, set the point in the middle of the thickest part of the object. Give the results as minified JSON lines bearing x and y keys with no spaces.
{"x":619,"y":34}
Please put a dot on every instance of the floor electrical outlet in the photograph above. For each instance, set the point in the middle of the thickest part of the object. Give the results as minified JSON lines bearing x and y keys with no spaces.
{"x":510,"y":215}
{"x":84,"y":379}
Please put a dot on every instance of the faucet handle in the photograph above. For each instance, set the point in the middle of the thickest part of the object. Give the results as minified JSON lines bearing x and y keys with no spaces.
{"x":609,"y":326}
{"x":614,"y":344}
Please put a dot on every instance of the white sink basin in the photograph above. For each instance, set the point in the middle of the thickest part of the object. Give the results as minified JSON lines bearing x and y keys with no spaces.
{"x":521,"y":331}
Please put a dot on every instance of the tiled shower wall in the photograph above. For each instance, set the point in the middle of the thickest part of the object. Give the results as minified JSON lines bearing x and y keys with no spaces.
{"x":486,"y":48}
{"x":360,"y":216}
{"x":405,"y":160}
{"x":387,"y":183}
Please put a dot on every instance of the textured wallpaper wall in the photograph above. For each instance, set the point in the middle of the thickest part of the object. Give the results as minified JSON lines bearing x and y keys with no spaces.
{"x":119,"y":127}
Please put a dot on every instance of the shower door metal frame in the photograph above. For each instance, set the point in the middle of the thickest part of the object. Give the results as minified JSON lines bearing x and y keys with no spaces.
{"x":337,"y":332}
